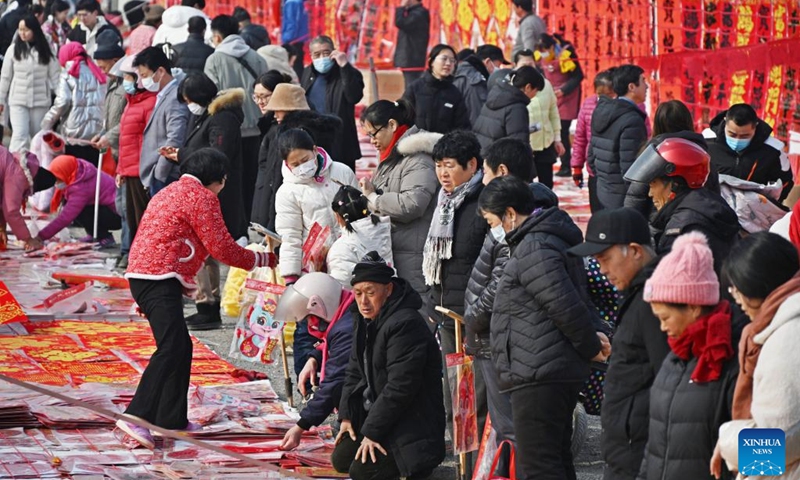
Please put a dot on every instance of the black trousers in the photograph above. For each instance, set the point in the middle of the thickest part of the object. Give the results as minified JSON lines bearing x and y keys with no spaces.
{"x":86,"y":152}
{"x":410,"y":76}
{"x":565,"y":159}
{"x":107,"y":220}
{"x":543,"y":427}
{"x":344,"y":460}
{"x":594,"y":202}
{"x":161,"y":395}
{"x":136,"y":199}
{"x":544,"y":161}
{"x":249,"y":172}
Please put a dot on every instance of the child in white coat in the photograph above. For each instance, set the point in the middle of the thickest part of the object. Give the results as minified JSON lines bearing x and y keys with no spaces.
{"x":310,"y":181}
{"x":363,"y":233}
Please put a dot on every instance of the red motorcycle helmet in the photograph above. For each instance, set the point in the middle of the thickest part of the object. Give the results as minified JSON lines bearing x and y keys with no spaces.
{"x":673,"y":157}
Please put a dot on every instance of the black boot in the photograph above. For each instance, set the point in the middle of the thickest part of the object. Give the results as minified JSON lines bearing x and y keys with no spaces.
{"x":206,"y":318}
{"x":564,"y":171}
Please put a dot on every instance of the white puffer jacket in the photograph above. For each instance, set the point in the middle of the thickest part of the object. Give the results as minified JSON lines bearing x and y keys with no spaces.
{"x":174,"y":23}
{"x":352,"y":246}
{"x":301,"y":202}
{"x":79,"y":105}
{"x":26,"y":82}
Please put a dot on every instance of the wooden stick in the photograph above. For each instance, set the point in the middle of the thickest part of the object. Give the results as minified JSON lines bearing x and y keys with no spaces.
{"x":457,"y":319}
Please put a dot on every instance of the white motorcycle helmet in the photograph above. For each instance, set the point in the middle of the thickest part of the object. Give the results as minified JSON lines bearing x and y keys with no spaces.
{"x":315,"y":294}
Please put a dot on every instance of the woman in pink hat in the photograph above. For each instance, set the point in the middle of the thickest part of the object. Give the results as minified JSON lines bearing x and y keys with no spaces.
{"x":691,"y":395}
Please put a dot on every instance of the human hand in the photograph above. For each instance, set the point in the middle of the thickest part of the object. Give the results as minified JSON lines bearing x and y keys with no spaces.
{"x":559,"y":93}
{"x":101,"y":143}
{"x":2,"y":107}
{"x":577,"y":177}
{"x":34,"y":243}
{"x":560,"y":150}
{"x":292,"y":438}
{"x":716,"y":462}
{"x":368,"y":448}
{"x":3,"y":239}
{"x":170,"y":153}
{"x":366,"y":186}
{"x":346,"y":429}
{"x":119,"y":180}
{"x":309,"y":373}
{"x":605,"y":348}
{"x":339,"y":57}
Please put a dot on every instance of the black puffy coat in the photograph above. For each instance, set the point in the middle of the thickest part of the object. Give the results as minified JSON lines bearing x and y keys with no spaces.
{"x":469,"y":232}
{"x":192,"y":54}
{"x":324,"y":129}
{"x":505,"y":114}
{"x":220,"y":128}
{"x":413,"y":24}
{"x":685,"y":418}
{"x":255,"y":36}
{"x":618,"y":134}
{"x":439,"y":105}
{"x":470,"y":79}
{"x":479,"y":297}
{"x":759,"y":162}
{"x":404,"y":374}
{"x":345,"y":88}
{"x":543,"y":329}
{"x":638,"y":350}
{"x":697,"y":210}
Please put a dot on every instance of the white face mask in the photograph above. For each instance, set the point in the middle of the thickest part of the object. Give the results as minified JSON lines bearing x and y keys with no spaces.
{"x":196,"y":109}
{"x":305,"y":170}
{"x":151,"y":85}
{"x":499,"y":233}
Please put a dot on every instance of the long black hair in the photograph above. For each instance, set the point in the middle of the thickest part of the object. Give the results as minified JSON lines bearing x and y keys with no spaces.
{"x":39,"y":43}
{"x":761,"y":262}
{"x":352,"y":206}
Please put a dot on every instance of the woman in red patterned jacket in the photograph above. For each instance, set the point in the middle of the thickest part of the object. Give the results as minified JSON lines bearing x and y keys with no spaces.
{"x":182,"y":225}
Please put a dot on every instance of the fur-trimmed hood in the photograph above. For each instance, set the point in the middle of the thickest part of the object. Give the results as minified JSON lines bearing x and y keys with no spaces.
{"x":416,"y":141}
{"x":227,"y":99}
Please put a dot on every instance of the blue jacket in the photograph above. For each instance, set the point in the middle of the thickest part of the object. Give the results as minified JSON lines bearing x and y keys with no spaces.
{"x":295,"y":22}
{"x":339,"y":342}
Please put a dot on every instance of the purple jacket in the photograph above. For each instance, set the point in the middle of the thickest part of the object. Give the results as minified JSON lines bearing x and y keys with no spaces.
{"x":14,"y":188}
{"x":583,"y":133}
{"x":79,"y":195}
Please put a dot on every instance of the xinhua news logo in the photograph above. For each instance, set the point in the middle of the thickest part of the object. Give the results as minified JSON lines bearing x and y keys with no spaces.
{"x":762,"y":451}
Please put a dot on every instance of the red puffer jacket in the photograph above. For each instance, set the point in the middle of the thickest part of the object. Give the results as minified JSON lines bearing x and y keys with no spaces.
{"x":131,"y":131}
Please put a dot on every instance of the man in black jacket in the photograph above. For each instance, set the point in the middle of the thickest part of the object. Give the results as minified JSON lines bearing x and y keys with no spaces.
{"x":193,"y":53}
{"x":391,"y":409}
{"x":620,"y":241}
{"x":413,"y":22}
{"x":742,"y":145}
{"x":618,"y":133}
{"x":333,"y":86}
{"x":254,"y":35}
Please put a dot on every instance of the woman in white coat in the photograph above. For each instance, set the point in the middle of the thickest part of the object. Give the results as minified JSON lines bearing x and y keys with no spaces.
{"x":763,"y":272}
{"x":363,"y":232}
{"x":310,"y":181}
{"x":29,"y":77}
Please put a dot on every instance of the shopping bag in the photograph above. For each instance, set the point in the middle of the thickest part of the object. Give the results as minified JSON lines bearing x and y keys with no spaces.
{"x":461,"y":378}
{"x":315,"y":249}
{"x":257,"y":332}
{"x":234,"y":295}
{"x":483,"y":465}
{"x":513,"y":467}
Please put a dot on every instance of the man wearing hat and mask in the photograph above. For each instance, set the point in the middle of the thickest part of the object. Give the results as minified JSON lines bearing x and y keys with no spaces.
{"x":392,"y":410}
{"x":320,"y":299}
{"x":620,"y":241}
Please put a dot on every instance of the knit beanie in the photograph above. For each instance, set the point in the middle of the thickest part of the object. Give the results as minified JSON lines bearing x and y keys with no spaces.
{"x":372,"y":268}
{"x":685,"y":275}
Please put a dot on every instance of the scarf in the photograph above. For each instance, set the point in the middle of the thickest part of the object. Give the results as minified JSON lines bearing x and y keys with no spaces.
{"x":709,"y":340}
{"x":401,"y":130}
{"x":65,"y":168}
{"x":439,"y":244}
{"x":74,"y":51}
{"x":345,"y":302}
{"x":749,"y":350}
{"x":794,"y":226}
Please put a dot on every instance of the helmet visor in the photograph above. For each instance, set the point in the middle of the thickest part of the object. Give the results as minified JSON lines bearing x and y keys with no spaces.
{"x":648,"y":167}
{"x":292,"y":307}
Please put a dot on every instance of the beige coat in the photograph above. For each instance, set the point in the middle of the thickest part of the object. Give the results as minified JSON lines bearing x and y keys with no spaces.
{"x":543,"y":112}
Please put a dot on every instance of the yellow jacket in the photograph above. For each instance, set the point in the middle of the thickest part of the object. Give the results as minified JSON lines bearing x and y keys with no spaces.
{"x":543,"y":117}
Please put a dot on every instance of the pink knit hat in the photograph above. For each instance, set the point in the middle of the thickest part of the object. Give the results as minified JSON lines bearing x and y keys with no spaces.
{"x":685,"y":275}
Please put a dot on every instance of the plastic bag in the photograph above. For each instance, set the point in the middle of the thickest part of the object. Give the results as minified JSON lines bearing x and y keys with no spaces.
{"x":315,"y":249}
{"x":751,"y":202}
{"x":483,"y":466}
{"x":257,"y":333}
{"x":233,"y":293}
{"x":461,"y":378}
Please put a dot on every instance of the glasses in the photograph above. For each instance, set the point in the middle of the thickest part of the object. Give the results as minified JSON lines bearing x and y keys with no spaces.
{"x":376,"y":132}
{"x":261,"y":99}
{"x":446,"y":60}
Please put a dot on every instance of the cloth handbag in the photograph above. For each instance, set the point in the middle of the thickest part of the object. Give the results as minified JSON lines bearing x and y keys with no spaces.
{"x":591,"y":395}
{"x":513,"y":466}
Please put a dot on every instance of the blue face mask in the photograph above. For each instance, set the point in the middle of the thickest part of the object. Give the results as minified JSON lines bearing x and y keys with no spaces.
{"x":129,"y":87}
{"x":323,"y":65}
{"x":737,"y":144}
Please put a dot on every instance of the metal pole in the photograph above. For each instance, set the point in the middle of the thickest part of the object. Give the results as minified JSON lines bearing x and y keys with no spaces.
{"x":97,"y":194}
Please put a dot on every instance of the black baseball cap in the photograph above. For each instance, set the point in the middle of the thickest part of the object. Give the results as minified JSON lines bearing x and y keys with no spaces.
{"x":607,"y":228}
{"x":493,"y":53}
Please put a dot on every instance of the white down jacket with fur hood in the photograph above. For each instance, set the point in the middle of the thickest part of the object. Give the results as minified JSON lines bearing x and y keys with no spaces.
{"x":300,"y":202}
{"x":352,"y":246}
{"x":408,"y":181}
